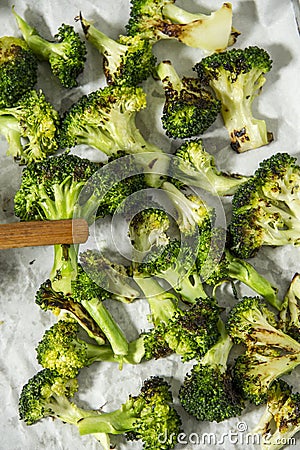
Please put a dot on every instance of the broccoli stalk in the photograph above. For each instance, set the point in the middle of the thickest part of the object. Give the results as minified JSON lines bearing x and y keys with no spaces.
{"x":208,"y":391}
{"x":30,"y":127}
{"x":188,"y":333}
{"x":265,"y":209}
{"x":194,"y":166}
{"x":147,"y":416}
{"x":129,"y":60}
{"x":18,"y":70}
{"x":161,"y":19}
{"x":189,"y":109}
{"x":66,"y":55}
{"x":289,"y":316}
{"x":236,"y":76}
{"x":61,"y":349}
{"x":270,"y":353}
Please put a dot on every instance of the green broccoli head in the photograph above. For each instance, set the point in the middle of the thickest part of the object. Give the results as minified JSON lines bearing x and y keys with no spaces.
{"x":129,"y":60}
{"x":236,"y":76}
{"x":149,"y":417}
{"x":265,"y":210}
{"x":66,"y":54}
{"x":189,"y":109}
{"x":31,"y":128}
{"x":46,"y":395}
{"x":18,"y":70}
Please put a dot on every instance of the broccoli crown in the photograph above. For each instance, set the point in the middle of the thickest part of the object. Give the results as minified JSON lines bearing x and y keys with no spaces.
{"x":189,"y":109}
{"x":209,"y":393}
{"x":18,"y":70}
{"x":61,"y":350}
{"x":189,"y":333}
{"x":145,"y":18}
{"x":50,"y":189}
{"x":40,"y":397}
{"x":146,"y":417}
{"x":67,"y":60}
{"x":37,"y":122}
{"x":236,"y":76}
{"x":265,"y":208}
{"x":197,"y":167}
{"x":102,"y":119}
{"x":85,"y":288}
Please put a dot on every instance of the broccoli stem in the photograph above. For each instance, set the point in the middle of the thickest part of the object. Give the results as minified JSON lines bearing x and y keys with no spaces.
{"x":219,"y":353}
{"x":179,"y":15}
{"x":116,"y":422}
{"x":189,"y":287}
{"x":10,"y":129}
{"x":65,"y":266}
{"x":103,"y":318}
{"x":168,"y":76}
{"x":243,"y":271}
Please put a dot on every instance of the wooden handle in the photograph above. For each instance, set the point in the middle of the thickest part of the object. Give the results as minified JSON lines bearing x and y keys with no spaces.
{"x":50,"y":232}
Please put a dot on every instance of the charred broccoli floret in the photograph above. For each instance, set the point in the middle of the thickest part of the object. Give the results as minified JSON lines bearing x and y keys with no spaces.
{"x":161,"y":19}
{"x":265,"y":209}
{"x":50,"y":190}
{"x":208,"y":392}
{"x":18,"y":70}
{"x":189,"y":108}
{"x":31,"y":128}
{"x":289,"y":317}
{"x":196,"y":167}
{"x":129,"y":60}
{"x":66,"y":55}
{"x":63,"y":349}
{"x":270,"y":353}
{"x":236,"y":76}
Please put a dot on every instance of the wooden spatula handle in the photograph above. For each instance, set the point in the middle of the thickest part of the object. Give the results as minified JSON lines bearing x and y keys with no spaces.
{"x":31,"y":234}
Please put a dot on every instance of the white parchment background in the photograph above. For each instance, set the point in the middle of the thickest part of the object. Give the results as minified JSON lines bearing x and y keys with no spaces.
{"x":267,"y":23}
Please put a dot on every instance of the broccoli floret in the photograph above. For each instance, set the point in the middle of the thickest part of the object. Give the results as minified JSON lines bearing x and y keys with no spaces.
{"x":189,"y":108}
{"x":289,"y":316}
{"x":18,"y":70}
{"x":161,"y":19}
{"x":50,"y":190}
{"x":146,"y":417}
{"x":265,"y":209}
{"x":105,"y":119}
{"x":196,"y":167}
{"x":216,"y":264}
{"x":188,"y":333}
{"x":63,"y":349}
{"x":208,"y":391}
{"x":66,"y":55}
{"x":111,"y":276}
{"x":129,"y":60}
{"x":31,"y":128}
{"x":269,"y":354}
{"x":236,"y":76}
{"x":280,"y":422}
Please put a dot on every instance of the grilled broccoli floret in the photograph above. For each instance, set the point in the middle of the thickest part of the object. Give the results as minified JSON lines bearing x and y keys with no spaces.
{"x":161,"y":19}
{"x":289,"y":317}
{"x":18,"y":70}
{"x":129,"y":60}
{"x":236,"y":76}
{"x":50,"y":190}
{"x":31,"y":128}
{"x":280,"y":422}
{"x":188,"y":333}
{"x":189,"y":108}
{"x":265,"y":209}
{"x":270,"y":353}
{"x":193,"y":165}
{"x":148,"y":417}
{"x":66,"y":55}
{"x":105,"y":119}
{"x":208,"y":391}
{"x":216,"y":264}
{"x":64,"y":350}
